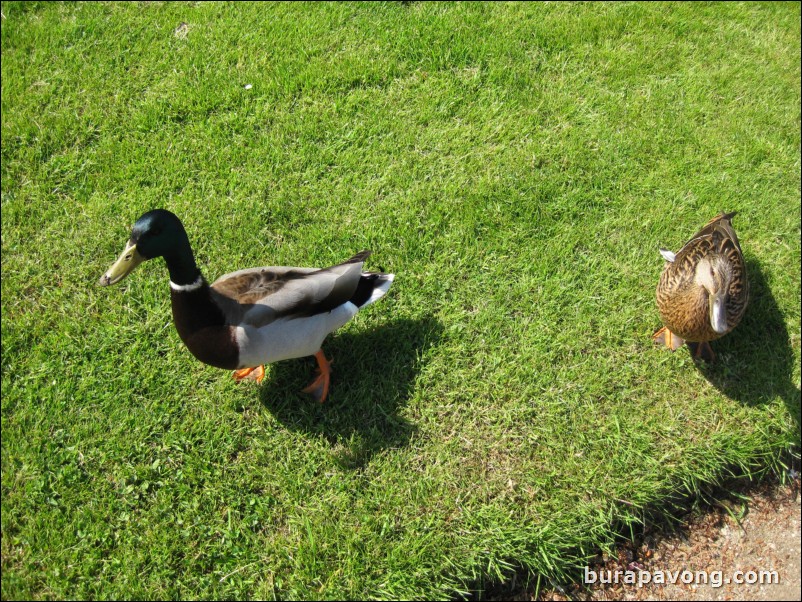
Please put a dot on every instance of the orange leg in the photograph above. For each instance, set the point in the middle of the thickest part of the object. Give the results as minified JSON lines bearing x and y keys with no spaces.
{"x":319,"y":388}
{"x":702,"y":351}
{"x":256,"y":374}
{"x":665,"y":337}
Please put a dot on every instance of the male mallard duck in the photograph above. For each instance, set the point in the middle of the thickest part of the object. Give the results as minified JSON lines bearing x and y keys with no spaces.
{"x":255,"y":316}
{"x":703,"y":291}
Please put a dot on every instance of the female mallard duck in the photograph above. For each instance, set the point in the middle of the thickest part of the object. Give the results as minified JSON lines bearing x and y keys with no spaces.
{"x":703,"y":291}
{"x":256,"y":316}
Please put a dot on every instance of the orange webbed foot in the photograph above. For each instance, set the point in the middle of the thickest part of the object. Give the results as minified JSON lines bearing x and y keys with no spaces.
{"x":319,"y":388}
{"x":665,"y":337}
{"x":257,"y":374}
{"x":702,"y":351}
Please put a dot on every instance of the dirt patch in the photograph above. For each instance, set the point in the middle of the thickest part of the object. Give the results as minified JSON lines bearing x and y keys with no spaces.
{"x":756,"y":530}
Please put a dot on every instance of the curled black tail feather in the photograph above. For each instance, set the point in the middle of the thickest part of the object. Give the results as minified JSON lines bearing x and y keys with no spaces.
{"x":367,"y":284}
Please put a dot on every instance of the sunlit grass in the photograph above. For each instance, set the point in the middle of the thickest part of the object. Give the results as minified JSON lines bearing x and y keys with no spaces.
{"x":515,"y":165}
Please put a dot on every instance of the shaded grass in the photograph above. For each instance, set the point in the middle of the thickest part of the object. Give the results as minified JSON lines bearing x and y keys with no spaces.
{"x":516,"y":166}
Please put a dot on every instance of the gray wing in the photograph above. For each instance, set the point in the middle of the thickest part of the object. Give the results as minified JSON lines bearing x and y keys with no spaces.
{"x":258,"y":296}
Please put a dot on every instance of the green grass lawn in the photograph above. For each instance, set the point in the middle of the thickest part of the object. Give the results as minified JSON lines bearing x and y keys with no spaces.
{"x":515,"y":165}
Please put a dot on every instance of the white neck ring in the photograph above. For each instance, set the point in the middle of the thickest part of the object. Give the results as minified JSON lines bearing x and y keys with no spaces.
{"x":187,"y":288}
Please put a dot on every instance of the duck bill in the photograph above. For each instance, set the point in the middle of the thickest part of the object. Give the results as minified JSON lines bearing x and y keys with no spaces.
{"x":718,"y":313}
{"x":125,"y":264}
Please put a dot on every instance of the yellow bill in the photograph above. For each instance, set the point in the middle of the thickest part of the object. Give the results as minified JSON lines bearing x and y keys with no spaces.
{"x":126,"y":263}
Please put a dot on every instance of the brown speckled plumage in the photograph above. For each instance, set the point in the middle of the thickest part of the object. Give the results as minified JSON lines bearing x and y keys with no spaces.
{"x":683,"y":302}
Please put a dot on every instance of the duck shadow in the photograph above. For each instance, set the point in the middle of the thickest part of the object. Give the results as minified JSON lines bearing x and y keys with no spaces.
{"x":373,"y":376}
{"x":755,"y":362}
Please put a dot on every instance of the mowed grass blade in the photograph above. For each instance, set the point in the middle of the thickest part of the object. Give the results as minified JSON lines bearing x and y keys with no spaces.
{"x":517,"y":166}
